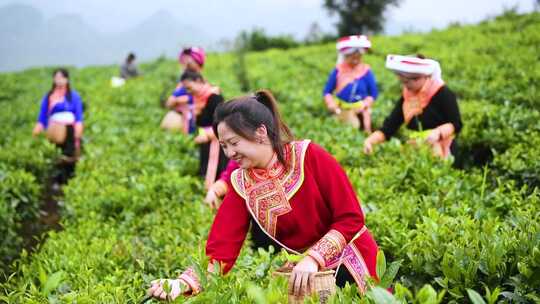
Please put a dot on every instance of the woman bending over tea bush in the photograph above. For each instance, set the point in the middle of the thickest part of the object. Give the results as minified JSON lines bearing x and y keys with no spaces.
{"x":181,"y":102}
{"x":294,"y":191}
{"x":206,"y":98}
{"x":427,"y":107}
{"x":61,"y":117}
{"x":353,"y":82}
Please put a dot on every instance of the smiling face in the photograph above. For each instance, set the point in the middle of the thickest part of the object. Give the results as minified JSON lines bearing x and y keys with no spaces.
{"x":247,"y":153}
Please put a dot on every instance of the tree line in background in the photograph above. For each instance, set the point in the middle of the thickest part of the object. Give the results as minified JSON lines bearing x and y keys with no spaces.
{"x":355,"y":16}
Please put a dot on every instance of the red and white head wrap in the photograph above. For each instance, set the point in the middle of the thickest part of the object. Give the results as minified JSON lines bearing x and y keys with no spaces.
{"x":196,"y":53}
{"x":414,"y":65}
{"x":351,"y":44}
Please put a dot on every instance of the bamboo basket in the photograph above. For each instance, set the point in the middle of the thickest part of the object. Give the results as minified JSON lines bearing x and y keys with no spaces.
{"x":173,"y":121}
{"x":324,"y":285}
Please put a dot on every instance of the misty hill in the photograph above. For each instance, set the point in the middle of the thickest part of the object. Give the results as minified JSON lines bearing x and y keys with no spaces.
{"x":28,"y":39}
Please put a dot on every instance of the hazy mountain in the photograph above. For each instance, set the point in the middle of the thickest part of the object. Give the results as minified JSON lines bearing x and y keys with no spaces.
{"x":27,"y":39}
{"x":160,"y":34}
{"x":18,"y":18}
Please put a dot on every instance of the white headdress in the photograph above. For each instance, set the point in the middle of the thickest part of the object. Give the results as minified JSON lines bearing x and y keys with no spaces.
{"x":350,"y":44}
{"x":414,"y":65}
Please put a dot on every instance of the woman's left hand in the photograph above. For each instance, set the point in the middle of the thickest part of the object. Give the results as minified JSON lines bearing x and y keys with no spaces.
{"x":302,"y":276}
{"x":434,"y":136}
{"x":37,"y":129}
{"x":212,"y":199}
{"x":201,"y":138}
{"x":366,"y":104}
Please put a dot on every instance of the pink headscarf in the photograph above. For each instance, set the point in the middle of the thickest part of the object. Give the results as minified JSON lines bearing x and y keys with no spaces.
{"x":196,"y":53}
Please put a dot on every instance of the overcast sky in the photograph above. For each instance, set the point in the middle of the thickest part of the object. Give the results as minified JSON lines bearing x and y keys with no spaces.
{"x":111,"y":28}
{"x":226,"y":18}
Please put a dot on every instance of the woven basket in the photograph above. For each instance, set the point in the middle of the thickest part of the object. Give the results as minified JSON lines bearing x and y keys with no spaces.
{"x":56,"y":133}
{"x":173,"y":121}
{"x":324,"y":285}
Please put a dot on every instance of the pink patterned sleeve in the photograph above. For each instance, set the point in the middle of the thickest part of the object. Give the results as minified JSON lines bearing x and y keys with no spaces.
{"x":226,"y":174}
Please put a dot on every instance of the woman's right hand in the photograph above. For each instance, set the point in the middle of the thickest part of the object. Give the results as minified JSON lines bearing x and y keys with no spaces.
{"x":375,"y":138}
{"x":302,"y":276}
{"x":177,"y":287}
{"x":171,"y":102}
{"x":202,"y":138}
{"x":215,"y":193}
{"x":334,"y":109}
{"x":368,"y":146}
{"x":38,"y":128}
{"x":331,"y":104}
{"x":212,"y":199}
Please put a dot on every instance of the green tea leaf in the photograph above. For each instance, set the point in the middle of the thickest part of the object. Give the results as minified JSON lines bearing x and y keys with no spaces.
{"x":475,"y":297}
{"x":53,"y":281}
{"x":381,"y":264}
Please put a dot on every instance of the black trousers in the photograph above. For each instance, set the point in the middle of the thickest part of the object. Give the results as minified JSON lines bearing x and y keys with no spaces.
{"x":204,"y":154}
{"x":68,"y":147}
{"x":66,"y":169}
{"x":261,"y":240}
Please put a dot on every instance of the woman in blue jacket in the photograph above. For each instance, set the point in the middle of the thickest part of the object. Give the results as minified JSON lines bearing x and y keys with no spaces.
{"x":353,"y":83}
{"x":61,"y":117}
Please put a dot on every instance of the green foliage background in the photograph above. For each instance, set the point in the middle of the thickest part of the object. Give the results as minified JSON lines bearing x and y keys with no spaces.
{"x":134,"y":211}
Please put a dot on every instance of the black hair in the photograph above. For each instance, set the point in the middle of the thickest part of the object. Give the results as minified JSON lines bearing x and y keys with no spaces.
{"x":130,"y":57}
{"x":191,"y":75}
{"x":247,"y":113}
{"x":64,"y":73}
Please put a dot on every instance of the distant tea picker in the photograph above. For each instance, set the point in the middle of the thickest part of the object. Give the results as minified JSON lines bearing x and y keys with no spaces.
{"x":427,"y":107}
{"x":127,"y":70}
{"x":206,"y":99}
{"x":353,"y":82}
{"x":181,"y":103}
{"x":61,"y":118}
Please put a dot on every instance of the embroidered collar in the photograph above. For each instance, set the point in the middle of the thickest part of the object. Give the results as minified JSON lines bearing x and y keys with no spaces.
{"x":267,"y":192}
{"x":275,"y":168}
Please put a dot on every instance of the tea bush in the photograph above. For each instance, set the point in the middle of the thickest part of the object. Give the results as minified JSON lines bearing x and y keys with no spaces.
{"x":134,"y":211}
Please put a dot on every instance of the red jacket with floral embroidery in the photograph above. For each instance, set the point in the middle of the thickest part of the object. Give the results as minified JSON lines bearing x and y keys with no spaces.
{"x":308,"y":205}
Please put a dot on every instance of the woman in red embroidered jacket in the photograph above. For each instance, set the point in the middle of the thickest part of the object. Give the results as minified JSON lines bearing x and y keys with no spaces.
{"x":296,"y":193}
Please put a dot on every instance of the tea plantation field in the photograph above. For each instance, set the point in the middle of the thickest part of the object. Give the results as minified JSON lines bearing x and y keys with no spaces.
{"x":463,"y":233}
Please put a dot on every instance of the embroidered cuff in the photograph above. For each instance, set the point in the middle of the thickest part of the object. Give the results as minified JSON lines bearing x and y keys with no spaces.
{"x":327,"y":250}
{"x":189,"y":276}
